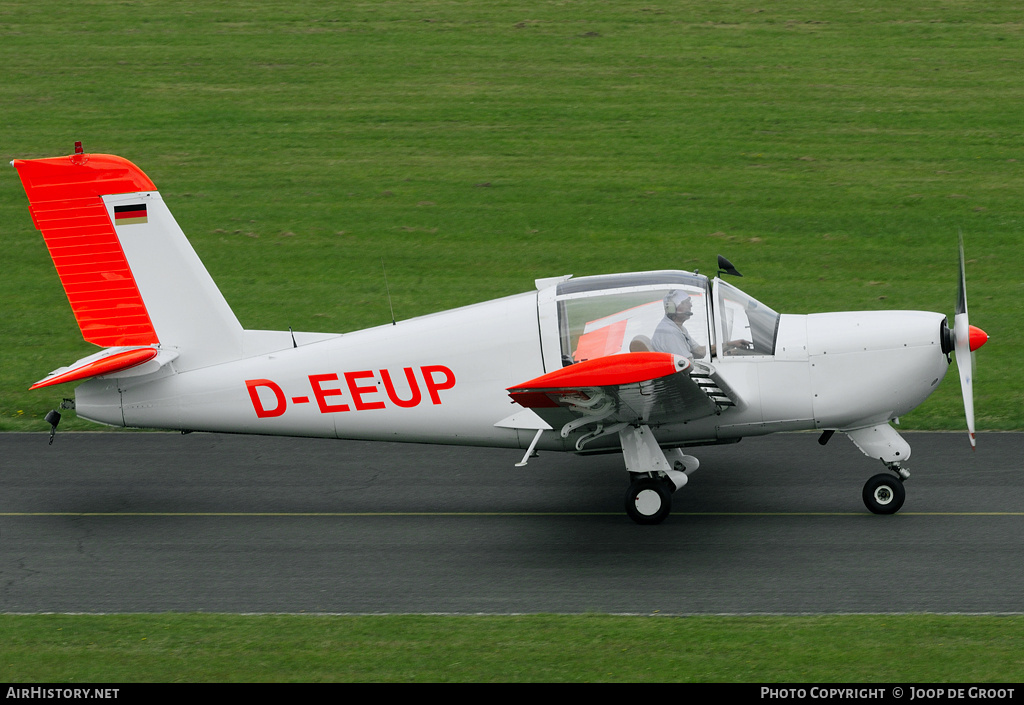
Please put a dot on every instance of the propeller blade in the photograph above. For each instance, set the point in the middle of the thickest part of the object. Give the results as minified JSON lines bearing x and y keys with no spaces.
{"x":965,"y":365}
{"x":967,"y":339}
{"x":961,"y":299}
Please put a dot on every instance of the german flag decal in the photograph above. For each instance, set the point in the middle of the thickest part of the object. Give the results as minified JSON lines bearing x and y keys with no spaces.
{"x":130,"y":215}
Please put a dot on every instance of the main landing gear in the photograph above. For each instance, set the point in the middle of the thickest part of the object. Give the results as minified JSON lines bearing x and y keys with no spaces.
{"x":654,"y":474}
{"x":649,"y":499}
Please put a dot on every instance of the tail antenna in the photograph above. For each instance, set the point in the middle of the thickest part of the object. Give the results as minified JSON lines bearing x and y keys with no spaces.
{"x":388,"y":290}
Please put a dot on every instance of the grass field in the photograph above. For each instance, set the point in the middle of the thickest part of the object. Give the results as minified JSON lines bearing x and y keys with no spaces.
{"x":832,"y":151}
{"x":528,"y":648}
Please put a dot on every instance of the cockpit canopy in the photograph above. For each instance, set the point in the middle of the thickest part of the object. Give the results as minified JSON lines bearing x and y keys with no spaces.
{"x":611,"y":314}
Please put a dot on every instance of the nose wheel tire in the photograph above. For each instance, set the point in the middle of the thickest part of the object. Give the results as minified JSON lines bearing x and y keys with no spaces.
{"x":648,"y":500}
{"x":884,"y":494}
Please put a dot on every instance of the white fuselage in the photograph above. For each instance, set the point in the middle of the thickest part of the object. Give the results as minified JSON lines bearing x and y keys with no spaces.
{"x":443,"y":378}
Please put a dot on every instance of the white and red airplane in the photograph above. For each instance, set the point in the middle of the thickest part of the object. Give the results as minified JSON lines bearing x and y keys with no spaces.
{"x":644,"y":363}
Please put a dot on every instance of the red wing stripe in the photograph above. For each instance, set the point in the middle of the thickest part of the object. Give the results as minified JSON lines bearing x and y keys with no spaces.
{"x":609,"y":371}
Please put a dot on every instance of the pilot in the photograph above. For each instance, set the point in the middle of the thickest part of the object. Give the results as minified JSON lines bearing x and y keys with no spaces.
{"x":670,"y":336}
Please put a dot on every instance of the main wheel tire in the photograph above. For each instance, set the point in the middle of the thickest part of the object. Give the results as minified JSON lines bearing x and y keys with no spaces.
{"x":884,"y":494}
{"x":648,"y":500}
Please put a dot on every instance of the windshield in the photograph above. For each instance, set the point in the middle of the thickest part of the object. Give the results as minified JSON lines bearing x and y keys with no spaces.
{"x":748,"y":327}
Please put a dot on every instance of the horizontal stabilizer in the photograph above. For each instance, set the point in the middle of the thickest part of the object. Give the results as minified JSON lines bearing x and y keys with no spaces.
{"x":133,"y":361}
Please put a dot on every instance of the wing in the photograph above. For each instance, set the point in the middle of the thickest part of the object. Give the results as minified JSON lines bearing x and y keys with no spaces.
{"x":644,"y":388}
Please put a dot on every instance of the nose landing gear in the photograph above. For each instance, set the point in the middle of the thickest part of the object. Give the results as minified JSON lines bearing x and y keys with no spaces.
{"x":884,"y":494}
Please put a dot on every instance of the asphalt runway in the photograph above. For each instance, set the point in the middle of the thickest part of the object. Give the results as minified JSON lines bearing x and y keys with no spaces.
{"x":153,"y":522}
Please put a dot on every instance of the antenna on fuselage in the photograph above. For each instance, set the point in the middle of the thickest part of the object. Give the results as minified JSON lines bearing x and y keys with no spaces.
{"x":725,"y":267}
{"x":388,"y":289}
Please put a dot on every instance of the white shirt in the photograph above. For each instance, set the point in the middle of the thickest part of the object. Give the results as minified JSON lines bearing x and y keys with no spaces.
{"x":671,"y":338}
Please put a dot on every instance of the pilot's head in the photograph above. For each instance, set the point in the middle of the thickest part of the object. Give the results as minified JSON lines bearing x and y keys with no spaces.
{"x":678,"y":306}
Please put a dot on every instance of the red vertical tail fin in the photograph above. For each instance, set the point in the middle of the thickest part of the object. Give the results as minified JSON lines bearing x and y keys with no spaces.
{"x":131,"y":276}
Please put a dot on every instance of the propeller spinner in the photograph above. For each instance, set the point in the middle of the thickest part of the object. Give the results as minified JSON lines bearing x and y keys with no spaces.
{"x":967,"y":339}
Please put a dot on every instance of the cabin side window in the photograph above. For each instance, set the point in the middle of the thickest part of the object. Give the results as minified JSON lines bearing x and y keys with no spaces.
{"x":608,"y":321}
